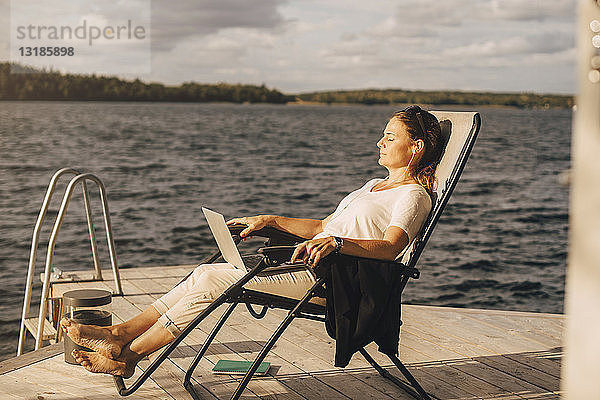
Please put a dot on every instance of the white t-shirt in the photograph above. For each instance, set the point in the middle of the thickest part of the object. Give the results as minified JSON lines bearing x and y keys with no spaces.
{"x":364,"y":214}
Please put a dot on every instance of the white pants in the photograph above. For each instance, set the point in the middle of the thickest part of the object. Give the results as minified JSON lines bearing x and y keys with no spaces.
{"x":208,"y":281}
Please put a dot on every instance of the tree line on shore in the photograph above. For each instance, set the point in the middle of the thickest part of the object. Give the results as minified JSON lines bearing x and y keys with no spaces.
{"x":31,"y":84}
{"x":398,"y":96}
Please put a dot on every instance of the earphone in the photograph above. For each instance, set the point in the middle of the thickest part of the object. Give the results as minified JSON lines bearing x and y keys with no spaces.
{"x":410,"y":162}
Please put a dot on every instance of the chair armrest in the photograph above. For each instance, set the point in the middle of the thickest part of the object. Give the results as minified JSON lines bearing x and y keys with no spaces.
{"x":276,"y":237}
{"x":275,"y":255}
{"x":281,"y":245}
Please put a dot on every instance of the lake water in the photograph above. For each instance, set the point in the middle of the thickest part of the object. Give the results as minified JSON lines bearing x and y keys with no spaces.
{"x":501,"y":243}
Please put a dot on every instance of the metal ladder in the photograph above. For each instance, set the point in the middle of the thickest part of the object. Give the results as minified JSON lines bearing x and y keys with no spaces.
{"x":39,"y":326}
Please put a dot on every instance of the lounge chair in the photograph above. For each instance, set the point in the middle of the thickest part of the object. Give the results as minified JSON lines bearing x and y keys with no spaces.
{"x":461,"y":129}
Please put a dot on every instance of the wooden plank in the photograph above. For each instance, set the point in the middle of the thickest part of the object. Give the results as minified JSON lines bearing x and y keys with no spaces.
{"x":60,"y":288}
{"x":371,"y":377}
{"x":170,"y":378}
{"x":150,"y":288}
{"x":31,"y":325}
{"x":524,"y":372}
{"x":133,"y":292}
{"x":352,"y":386}
{"x":436,"y":387}
{"x":498,"y":378}
{"x":465,"y":382}
{"x":538,"y":361}
{"x":430,"y":349}
{"x":310,"y":387}
{"x":131,"y":273}
{"x":98,"y":285}
{"x":490,"y":339}
{"x":458,"y":345}
{"x":24,"y":360}
{"x":55,"y":377}
{"x":558,"y":318}
{"x":535,"y":329}
{"x":177,"y":272}
{"x":545,"y":328}
{"x":18,"y":386}
{"x":123,"y":309}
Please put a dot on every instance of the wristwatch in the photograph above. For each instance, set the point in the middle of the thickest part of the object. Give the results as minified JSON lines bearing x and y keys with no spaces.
{"x":339,"y":242}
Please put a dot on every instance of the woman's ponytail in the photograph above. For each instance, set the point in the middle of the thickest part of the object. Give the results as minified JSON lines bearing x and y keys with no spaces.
{"x":426,"y":177}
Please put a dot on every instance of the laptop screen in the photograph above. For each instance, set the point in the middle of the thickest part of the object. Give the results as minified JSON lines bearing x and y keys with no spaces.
{"x":221,"y":233}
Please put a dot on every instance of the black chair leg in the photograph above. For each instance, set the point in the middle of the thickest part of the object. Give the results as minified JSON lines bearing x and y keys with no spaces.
{"x":271,"y":342}
{"x":409,"y":376}
{"x":188,"y":375}
{"x":415,"y":390}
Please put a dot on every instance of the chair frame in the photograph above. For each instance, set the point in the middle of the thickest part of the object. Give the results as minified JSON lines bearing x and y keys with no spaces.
{"x":301,"y":308}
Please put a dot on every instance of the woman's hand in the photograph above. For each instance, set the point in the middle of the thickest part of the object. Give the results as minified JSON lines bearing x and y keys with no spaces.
{"x":253,"y":223}
{"x":314,"y":250}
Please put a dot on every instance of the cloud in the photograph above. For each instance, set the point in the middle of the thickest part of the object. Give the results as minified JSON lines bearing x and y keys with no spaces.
{"x":428,"y":18}
{"x":175,"y":21}
{"x":513,"y":46}
{"x":518,"y":10}
{"x":222,"y":56}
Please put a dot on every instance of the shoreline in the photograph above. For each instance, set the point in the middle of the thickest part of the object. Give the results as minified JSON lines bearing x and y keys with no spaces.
{"x":292,"y":103}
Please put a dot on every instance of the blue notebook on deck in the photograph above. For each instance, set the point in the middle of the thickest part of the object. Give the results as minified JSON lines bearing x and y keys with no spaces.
{"x":232,"y":367}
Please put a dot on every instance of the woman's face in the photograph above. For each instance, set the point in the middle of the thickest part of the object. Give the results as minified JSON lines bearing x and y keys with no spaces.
{"x":396,"y":146}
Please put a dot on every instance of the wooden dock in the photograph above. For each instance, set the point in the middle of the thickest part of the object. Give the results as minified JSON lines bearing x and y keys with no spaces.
{"x":454,"y":353}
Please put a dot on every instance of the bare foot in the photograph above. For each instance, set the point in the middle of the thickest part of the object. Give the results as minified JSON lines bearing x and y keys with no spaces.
{"x":95,"y":362}
{"x":97,"y":338}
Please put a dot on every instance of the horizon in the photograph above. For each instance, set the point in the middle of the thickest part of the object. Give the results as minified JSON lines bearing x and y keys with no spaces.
{"x":507,"y":46}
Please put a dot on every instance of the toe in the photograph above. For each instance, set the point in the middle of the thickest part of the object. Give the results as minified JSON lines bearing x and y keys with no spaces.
{"x":78,"y":355}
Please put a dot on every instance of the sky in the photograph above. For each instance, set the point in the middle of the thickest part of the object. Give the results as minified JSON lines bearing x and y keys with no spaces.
{"x":309,"y":45}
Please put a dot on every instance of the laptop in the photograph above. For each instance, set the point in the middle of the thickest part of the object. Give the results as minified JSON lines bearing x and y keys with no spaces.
{"x":229,"y":251}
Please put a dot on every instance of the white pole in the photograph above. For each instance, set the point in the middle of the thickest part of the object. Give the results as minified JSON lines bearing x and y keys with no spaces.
{"x":581,"y":367}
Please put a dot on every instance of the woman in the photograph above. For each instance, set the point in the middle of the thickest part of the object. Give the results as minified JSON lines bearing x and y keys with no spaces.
{"x":378,"y":221}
